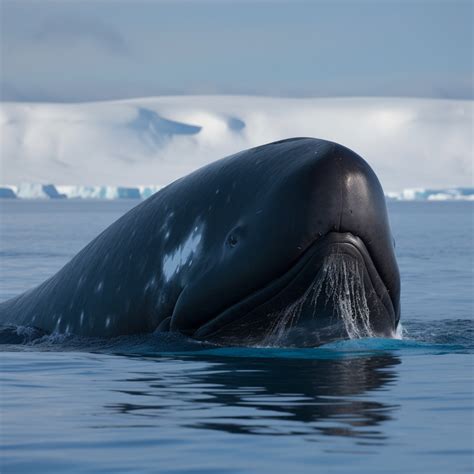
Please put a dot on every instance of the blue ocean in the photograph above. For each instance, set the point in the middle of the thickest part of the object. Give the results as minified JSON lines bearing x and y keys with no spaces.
{"x":166,"y":404}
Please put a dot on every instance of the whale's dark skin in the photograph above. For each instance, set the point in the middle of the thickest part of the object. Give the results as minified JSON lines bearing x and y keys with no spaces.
{"x":226,"y":252}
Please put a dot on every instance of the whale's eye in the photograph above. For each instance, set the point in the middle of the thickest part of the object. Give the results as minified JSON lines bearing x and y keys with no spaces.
{"x":232,"y":240}
{"x":236,"y":235}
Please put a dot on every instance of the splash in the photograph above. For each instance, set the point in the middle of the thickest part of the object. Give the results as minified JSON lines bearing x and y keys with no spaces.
{"x":346,"y":289}
{"x":400,"y":332}
{"x":340,"y":286}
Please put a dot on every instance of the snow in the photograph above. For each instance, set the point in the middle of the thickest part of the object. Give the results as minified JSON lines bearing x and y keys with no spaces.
{"x":105,"y":149}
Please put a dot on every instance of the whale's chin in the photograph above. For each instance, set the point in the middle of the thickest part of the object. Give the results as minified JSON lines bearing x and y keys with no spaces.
{"x":332,"y":292}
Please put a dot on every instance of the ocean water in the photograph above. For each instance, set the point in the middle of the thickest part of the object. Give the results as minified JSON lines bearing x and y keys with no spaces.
{"x":163,"y":403}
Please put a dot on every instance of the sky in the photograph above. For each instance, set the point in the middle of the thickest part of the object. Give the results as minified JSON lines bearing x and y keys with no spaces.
{"x":85,"y":50}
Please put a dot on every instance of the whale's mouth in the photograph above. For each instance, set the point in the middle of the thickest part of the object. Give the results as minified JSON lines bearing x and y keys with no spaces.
{"x":333,"y":291}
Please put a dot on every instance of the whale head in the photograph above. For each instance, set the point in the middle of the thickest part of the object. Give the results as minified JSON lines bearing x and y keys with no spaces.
{"x":296,"y":248}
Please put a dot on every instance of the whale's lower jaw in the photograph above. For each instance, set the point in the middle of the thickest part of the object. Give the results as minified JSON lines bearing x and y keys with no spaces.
{"x":333,"y":292}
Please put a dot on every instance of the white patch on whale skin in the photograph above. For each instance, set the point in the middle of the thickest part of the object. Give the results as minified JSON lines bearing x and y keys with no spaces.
{"x":99,"y":287}
{"x":81,"y":320}
{"x":107,"y":321}
{"x":174,"y":261}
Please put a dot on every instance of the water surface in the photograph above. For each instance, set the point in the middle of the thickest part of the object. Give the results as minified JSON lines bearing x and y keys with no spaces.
{"x":162,"y":403}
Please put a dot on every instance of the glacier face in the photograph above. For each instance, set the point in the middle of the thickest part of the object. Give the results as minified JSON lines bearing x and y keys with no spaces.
{"x":410,"y":143}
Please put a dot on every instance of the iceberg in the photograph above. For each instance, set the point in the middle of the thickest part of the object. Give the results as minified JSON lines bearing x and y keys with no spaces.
{"x":7,"y":192}
{"x":104,"y":192}
{"x":38,"y":191}
{"x":108,"y":191}
{"x":421,"y":194}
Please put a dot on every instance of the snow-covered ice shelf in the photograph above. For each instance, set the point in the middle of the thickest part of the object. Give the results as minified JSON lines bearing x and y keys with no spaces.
{"x":410,"y":143}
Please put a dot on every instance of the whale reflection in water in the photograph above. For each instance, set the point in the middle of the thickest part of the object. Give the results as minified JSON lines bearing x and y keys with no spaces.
{"x":267,"y":396}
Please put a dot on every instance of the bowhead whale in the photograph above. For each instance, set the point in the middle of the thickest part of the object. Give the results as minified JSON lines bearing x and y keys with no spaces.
{"x":286,"y":240}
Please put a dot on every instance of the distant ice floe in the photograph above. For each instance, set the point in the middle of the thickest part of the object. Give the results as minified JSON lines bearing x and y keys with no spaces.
{"x":108,"y":192}
{"x":33,"y":191}
{"x":50,"y":191}
{"x":410,"y":143}
{"x":420,"y":194}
